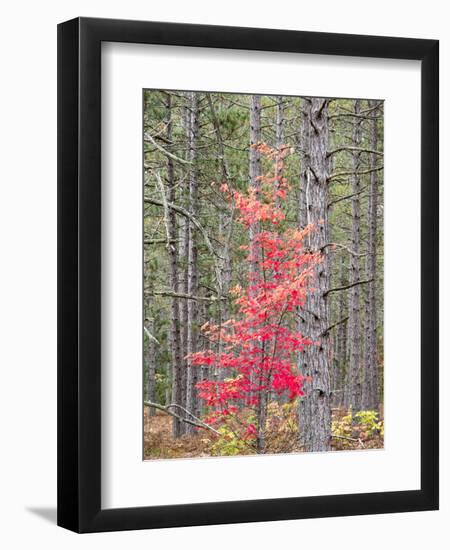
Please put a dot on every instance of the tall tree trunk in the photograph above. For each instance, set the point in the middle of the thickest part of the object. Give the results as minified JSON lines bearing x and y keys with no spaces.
{"x":192,"y":336}
{"x":150,"y":360}
{"x":315,"y":412}
{"x":261,"y":413}
{"x":341,"y":339}
{"x":255,"y":155}
{"x":183,"y":304}
{"x":223,"y":307}
{"x":254,"y":173}
{"x":304,"y":151}
{"x":183,"y":257}
{"x":175,"y":341}
{"x":279,"y":138}
{"x":370,"y":390}
{"x":304,"y":154}
{"x":354,"y":324}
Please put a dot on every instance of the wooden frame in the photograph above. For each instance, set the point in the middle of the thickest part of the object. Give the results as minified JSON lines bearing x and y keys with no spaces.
{"x":79,"y":270}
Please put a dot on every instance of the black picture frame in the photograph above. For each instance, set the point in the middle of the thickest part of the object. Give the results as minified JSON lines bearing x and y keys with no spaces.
{"x":79,"y":274}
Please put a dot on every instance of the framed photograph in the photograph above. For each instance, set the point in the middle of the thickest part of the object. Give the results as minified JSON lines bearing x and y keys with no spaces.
{"x":248,"y":275}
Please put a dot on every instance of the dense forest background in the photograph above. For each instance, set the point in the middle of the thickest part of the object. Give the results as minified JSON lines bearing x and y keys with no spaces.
{"x":322,"y":160}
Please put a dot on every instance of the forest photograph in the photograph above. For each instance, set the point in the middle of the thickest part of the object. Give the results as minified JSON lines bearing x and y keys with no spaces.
{"x":262,"y":274}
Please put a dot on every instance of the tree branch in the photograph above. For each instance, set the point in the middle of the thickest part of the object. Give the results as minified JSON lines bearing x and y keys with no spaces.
{"x":361,"y":444}
{"x":342,"y":174}
{"x":334,"y":325}
{"x":346,"y":287}
{"x":166,"y":408}
{"x":338,"y":245}
{"x":353,"y":149}
{"x":198,"y":225}
{"x":172,"y":294}
{"x":148,"y":137}
{"x":354,"y":115}
{"x":166,"y":210}
{"x":319,"y":112}
{"x":188,"y":215}
{"x":159,"y":241}
{"x":150,"y":335}
{"x":335,"y":201}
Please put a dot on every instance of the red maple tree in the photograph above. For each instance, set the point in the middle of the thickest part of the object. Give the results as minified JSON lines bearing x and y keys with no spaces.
{"x":258,"y":350}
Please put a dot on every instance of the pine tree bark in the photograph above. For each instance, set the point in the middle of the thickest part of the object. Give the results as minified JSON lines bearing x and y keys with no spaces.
{"x":315,"y":411}
{"x":304,"y":155}
{"x":279,"y":136}
{"x":255,"y":155}
{"x":192,"y":306}
{"x":254,"y":173}
{"x":150,"y":360}
{"x":304,"y":147}
{"x":341,"y":338}
{"x":354,"y":324}
{"x":175,"y":341}
{"x":370,"y":390}
{"x":183,"y":256}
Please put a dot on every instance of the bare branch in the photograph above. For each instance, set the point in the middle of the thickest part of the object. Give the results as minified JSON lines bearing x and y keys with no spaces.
{"x":335,"y":201}
{"x":150,"y":335}
{"x":373,"y":108}
{"x":343,"y":247}
{"x":361,"y":444}
{"x":324,"y":103}
{"x":338,"y":115}
{"x":327,"y":330}
{"x":166,"y":209}
{"x":159,"y":241}
{"x":346,"y":287}
{"x":342,"y":174}
{"x":172,"y":294}
{"x":148,"y":137}
{"x":188,"y":215}
{"x":166,"y":408}
{"x":166,"y":206}
{"x":354,"y":149}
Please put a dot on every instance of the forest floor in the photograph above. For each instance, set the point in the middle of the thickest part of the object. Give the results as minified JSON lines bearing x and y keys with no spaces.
{"x":159,"y":443}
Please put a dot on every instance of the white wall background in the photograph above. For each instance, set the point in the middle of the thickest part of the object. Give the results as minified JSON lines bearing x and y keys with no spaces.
{"x":28,"y":272}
